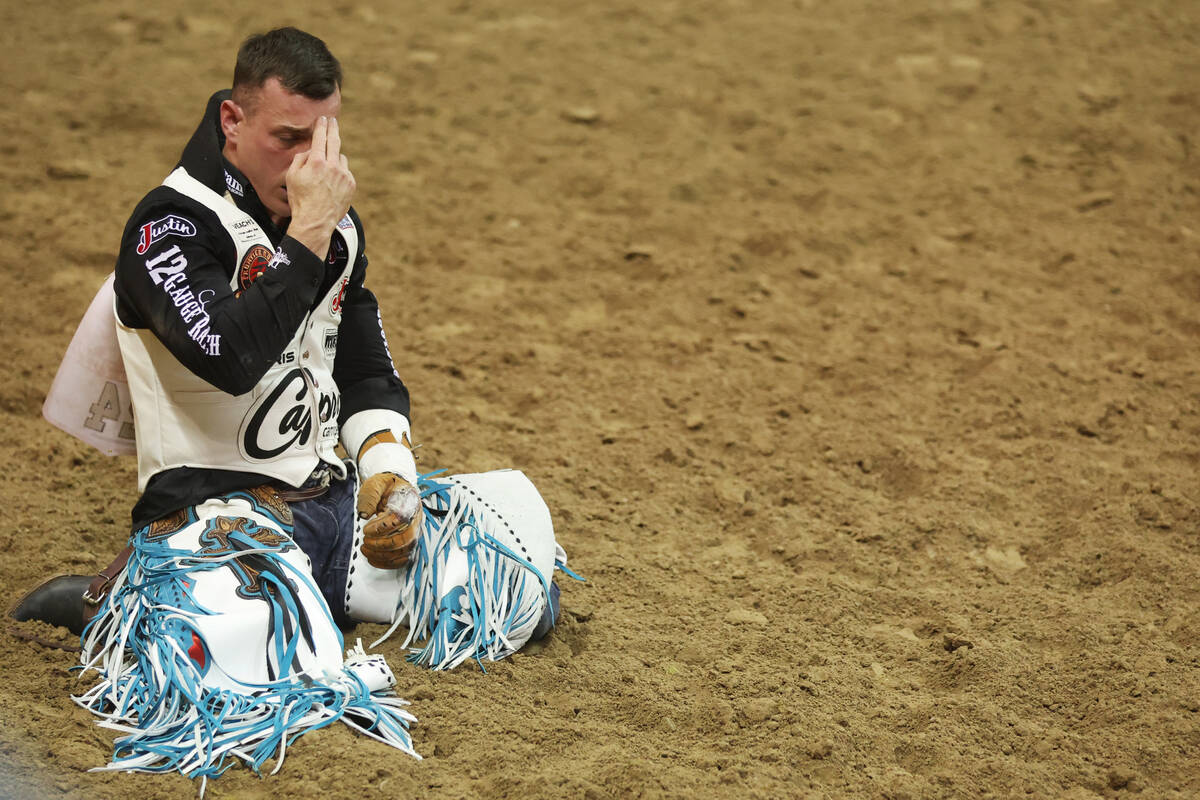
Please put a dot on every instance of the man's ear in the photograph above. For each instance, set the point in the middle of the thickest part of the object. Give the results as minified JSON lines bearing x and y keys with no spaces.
{"x":232,"y":116}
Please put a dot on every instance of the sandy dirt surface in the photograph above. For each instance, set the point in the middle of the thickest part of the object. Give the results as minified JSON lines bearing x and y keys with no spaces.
{"x":853,"y":345}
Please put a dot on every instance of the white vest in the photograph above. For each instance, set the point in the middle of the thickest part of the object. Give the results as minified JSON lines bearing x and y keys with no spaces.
{"x":285,"y":425}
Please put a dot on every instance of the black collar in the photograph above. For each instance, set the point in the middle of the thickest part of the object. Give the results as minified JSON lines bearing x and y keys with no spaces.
{"x":204,"y":161}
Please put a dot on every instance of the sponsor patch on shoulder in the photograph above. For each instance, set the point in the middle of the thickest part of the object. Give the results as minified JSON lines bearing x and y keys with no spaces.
{"x":254,"y":263}
{"x":345,"y":223}
{"x":234,"y":185}
{"x":170,"y":225}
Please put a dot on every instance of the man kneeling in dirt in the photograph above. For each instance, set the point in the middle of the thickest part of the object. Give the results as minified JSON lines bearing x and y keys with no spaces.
{"x":252,"y":349}
{"x":247,"y":332}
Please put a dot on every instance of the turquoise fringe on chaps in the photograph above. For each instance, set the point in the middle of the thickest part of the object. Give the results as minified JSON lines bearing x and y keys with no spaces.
{"x":215,"y":647}
{"x":478,"y":579}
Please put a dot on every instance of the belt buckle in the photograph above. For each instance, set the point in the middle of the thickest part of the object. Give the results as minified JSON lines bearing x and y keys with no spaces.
{"x":320,"y":477}
{"x":92,"y":600}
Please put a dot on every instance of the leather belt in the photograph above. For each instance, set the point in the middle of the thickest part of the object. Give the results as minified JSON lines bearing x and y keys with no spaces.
{"x":290,"y":495}
{"x":316,"y":485}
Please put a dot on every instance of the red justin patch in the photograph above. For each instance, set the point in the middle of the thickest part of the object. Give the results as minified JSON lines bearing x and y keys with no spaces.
{"x":253,"y":264}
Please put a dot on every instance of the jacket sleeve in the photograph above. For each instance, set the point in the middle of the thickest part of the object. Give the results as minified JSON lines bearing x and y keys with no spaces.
{"x":173,"y":276}
{"x":363,"y":368}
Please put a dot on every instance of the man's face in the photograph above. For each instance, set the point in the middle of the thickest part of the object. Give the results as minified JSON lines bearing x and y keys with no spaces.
{"x":262,"y":137}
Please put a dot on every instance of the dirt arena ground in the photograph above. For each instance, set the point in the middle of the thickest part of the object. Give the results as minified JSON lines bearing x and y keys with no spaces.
{"x":853,"y":345}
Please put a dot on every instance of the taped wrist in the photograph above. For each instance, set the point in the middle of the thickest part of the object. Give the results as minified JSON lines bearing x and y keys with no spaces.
{"x":388,"y":457}
{"x":379,"y":441}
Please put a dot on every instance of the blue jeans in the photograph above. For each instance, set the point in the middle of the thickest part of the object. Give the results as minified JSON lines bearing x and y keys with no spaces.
{"x":325,"y":532}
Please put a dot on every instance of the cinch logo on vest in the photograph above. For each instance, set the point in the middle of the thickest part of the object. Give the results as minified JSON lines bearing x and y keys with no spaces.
{"x":169,"y":225}
{"x":283,"y":418}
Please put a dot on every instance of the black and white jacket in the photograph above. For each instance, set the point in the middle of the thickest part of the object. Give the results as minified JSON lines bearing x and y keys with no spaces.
{"x":245,"y":352}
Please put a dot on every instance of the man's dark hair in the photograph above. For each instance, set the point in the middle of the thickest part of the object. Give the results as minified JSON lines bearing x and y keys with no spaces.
{"x":300,"y":61}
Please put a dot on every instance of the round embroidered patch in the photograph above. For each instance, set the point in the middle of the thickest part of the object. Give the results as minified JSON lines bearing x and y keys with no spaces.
{"x":254,"y":263}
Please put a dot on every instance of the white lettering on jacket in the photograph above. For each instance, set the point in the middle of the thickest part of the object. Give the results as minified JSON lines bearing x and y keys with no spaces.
{"x":166,"y":270}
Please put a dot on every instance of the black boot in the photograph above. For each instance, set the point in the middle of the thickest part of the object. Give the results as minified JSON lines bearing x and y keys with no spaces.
{"x":58,"y":601}
{"x":549,"y":615}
